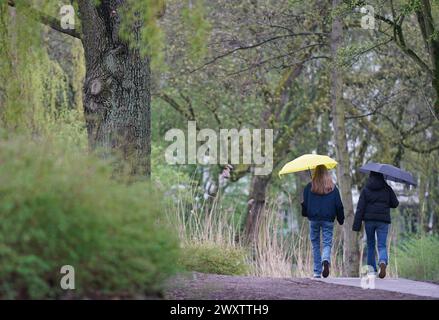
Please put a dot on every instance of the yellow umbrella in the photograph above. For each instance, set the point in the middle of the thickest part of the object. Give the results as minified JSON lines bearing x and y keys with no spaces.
{"x":308,"y":162}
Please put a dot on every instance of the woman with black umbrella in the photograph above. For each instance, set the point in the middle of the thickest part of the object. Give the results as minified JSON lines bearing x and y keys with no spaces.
{"x":373,"y":207}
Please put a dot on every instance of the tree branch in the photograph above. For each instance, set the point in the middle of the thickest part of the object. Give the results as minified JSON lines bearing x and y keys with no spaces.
{"x":174,"y":104}
{"x":419,"y":150}
{"x":252,"y":46}
{"x":399,"y":38}
{"x":260,"y":63}
{"x":368,"y":125}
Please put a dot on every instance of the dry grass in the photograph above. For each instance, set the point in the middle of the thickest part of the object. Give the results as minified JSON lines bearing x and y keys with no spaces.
{"x":202,"y":223}
{"x":272,"y":250}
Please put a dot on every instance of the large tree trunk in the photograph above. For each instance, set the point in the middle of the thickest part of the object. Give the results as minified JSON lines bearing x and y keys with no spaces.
{"x":433,"y":197}
{"x":351,"y":249}
{"x":428,"y":31}
{"x":423,"y":191}
{"x":116,"y":88}
{"x":256,"y":205}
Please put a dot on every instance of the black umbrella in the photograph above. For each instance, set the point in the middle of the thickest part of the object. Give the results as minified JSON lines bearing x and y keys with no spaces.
{"x":390,"y":172}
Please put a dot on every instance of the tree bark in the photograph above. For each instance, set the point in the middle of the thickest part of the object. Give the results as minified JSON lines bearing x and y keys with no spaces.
{"x":256,"y":205}
{"x":350,"y":247}
{"x":423,"y":189}
{"x":428,"y":30}
{"x":116,"y":89}
{"x":432,"y":199}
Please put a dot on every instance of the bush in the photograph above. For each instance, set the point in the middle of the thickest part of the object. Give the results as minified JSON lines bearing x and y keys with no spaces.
{"x":60,"y":207}
{"x":210,"y":258}
{"x":418,"y":258}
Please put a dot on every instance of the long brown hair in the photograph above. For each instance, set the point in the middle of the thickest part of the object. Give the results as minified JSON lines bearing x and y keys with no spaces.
{"x":322,"y":181}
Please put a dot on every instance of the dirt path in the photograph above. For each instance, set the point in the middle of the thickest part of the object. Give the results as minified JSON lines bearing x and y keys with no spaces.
{"x":219,"y":287}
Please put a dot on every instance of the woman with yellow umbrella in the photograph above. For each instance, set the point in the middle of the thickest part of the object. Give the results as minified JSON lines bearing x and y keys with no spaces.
{"x":321,"y":205}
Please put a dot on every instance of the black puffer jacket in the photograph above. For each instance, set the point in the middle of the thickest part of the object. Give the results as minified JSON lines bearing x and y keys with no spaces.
{"x":375,"y":202}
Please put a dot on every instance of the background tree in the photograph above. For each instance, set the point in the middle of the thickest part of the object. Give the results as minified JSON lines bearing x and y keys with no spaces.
{"x":350,"y":244}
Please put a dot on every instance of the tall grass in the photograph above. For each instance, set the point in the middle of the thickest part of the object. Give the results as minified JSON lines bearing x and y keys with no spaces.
{"x":207,"y":234}
{"x":204,"y":222}
{"x":418,"y":258}
{"x":210,"y":224}
{"x":272,"y":251}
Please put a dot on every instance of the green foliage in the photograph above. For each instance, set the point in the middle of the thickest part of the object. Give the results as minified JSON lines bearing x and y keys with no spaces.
{"x":418,"y":258}
{"x":411,"y":6}
{"x":212,"y":258}
{"x":143,"y":14}
{"x":198,"y":28}
{"x":17,"y":80}
{"x":173,"y":181}
{"x":60,"y":207}
{"x":34,"y":88}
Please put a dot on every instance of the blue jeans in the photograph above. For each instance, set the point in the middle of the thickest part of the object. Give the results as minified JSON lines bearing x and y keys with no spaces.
{"x":381,"y":229}
{"x":314,"y":233}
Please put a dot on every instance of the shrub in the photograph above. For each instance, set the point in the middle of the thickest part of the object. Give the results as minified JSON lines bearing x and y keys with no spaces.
{"x":418,"y":258}
{"x":211,"y":258}
{"x":59,"y":207}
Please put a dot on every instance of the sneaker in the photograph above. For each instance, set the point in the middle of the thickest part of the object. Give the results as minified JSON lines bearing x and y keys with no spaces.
{"x":325,"y":272}
{"x":382,"y":273}
{"x":316,"y":276}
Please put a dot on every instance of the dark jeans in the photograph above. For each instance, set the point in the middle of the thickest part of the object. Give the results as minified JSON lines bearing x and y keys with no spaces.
{"x":381,"y":230}
{"x":326,"y":228}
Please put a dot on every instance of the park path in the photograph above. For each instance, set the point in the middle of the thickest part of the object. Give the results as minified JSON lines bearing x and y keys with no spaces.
{"x":221,"y":287}
{"x":395,"y":285}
